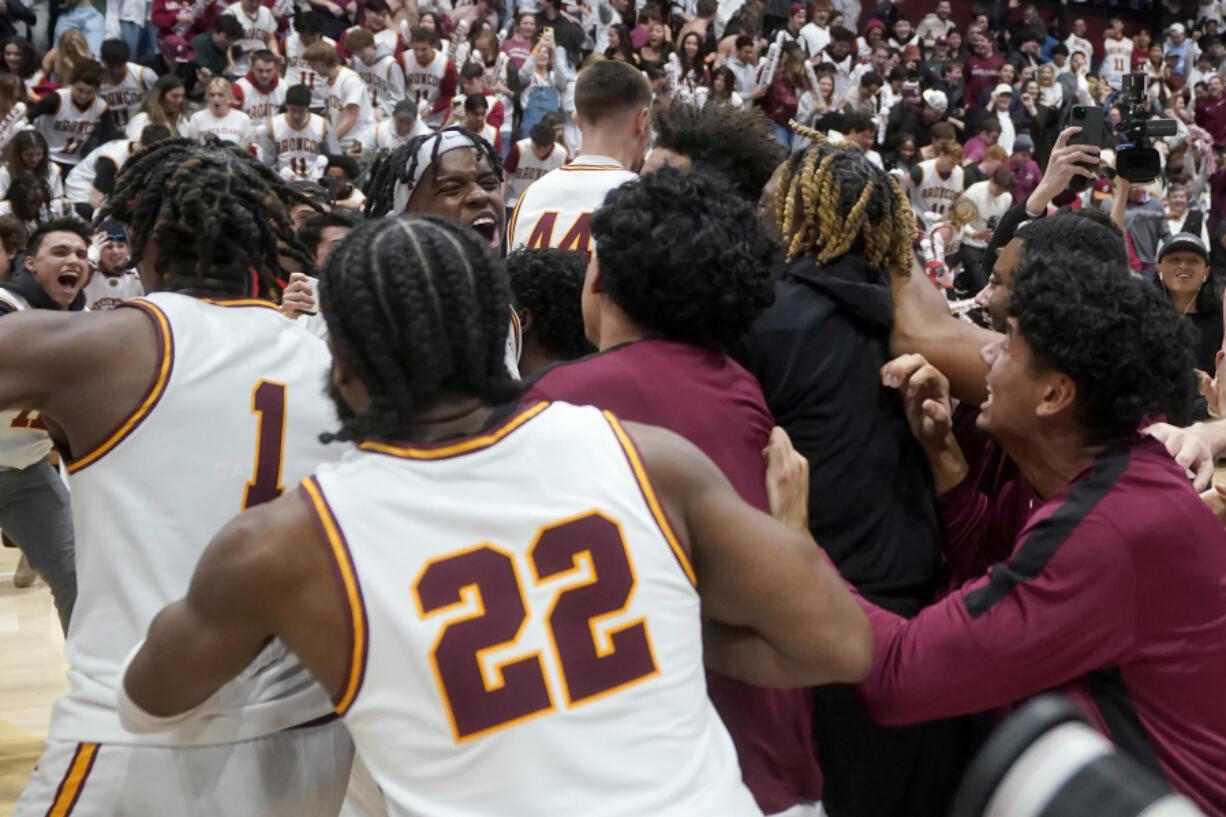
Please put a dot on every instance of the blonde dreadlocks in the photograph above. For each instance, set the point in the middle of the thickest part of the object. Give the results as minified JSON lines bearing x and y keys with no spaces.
{"x":832,"y":200}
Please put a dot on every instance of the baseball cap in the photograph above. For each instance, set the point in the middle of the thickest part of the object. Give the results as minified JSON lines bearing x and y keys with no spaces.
{"x":1184,"y":241}
{"x":1176,"y":28}
{"x":942,"y":41}
{"x":1002,"y":89}
{"x":936,"y":99}
{"x":1103,"y":189}
{"x":797,"y":8}
{"x":113,"y":231}
{"x":911,"y":52}
{"x":405,"y":108}
{"x":1023,"y":142}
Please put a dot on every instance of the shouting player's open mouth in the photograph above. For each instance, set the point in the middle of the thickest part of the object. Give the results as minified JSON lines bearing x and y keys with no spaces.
{"x":487,"y":226}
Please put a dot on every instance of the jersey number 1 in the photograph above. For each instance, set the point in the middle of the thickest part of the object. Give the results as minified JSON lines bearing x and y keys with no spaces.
{"x":587,"y":557}
{"x":267,"y":403}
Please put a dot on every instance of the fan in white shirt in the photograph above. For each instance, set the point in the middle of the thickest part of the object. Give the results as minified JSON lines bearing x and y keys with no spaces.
{"x":259,"y":31}
{"x":403,"y":126}
{"x":346,"y":101}
{"x":219,"y":118}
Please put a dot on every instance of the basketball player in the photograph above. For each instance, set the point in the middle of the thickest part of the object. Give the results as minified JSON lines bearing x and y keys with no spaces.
{"x":573,"y":573}
{"x":530,"y":159}
{"x":297,"y":72}
{"x":403,"y":126}
{"x":430,"y":78}
{"x":547,"y":292}
{"x":125,"y":83}
{"x":34,"y":507}
{"x":613,"y":110}
{"x":297,"y":138}
{"x":935,"y":184}
{"x":112,"y":279}
{"x":119,"y":388}
{"x":379,"y":68}
{"x":72,"y":117}
{"x":346,"y":102}
{"x":259,"y":31}
{"x":93,"y":178}
{"x":261,"y":93}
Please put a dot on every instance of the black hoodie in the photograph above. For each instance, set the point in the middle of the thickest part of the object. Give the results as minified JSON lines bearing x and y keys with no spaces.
{"x":24,"y":284}
{"x":817,"y":353}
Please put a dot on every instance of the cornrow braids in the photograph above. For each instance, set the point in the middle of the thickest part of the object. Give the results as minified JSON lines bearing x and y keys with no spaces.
{"x":832,"y":201}
{"x":417,"y":307}
{"x":404,"y":166}
{"x":217,"y":214}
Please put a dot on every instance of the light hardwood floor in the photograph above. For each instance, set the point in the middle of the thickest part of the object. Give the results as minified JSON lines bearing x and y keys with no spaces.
{"x":31,"y":676}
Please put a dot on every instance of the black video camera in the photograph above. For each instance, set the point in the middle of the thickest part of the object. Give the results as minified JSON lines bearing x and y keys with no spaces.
{"x":1136,"y":159}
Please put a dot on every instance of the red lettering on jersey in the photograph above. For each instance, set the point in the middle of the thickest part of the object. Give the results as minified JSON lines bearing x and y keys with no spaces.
{"x":542,"y":233}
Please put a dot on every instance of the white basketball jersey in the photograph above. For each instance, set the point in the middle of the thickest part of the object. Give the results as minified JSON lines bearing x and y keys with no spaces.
{"x":233,"y":415}
{"x":386,"y":138}
{"x":523,"y":168}
{"x":297,"y":72}
{"x":557,"y":210}
{"x":261,"y":106}
{"x":68,"y":129}
{"x":347,"y":89}
{"x":125,"y":99}
{"x":255,"y":34}
{"x":422,"y":83}
{"x":526,"y":632}
{"x":23,"y":437}
{"x":933,"y":193}
{"x":384,"y":80}
{"x":1117,"y":60}
{"x":297,"y":148}
{"x":80,"y":181}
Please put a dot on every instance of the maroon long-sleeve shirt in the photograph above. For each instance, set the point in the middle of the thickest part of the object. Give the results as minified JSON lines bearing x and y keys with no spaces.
{"x":710,"y":400}
{"x":1115,"y":594}
{"x":1211,"y":115}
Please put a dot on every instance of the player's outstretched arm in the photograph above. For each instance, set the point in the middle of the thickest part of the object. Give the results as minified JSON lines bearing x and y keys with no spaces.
{"x":776,"y":612}
{"x":84,"y":372}
{"x":265,"y":574}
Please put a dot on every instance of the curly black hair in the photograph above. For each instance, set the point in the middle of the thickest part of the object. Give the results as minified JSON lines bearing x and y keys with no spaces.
{"x":740,"y":144}
{"x":1127,"y":351}
{"x":682,"y":254}
{"x":548,"y":285}
{"x":1084,"y":231}
{"x":417,"y":307}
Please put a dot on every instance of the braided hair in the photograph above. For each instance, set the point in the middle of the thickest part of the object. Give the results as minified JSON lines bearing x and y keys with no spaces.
{"x":417,"y":308}
{"x":832,"y":201}
{"x":402,"y":166}
{"x":218,"y":215}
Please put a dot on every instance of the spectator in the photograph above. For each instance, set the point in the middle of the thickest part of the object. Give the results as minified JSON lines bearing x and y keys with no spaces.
{"x":1211,"y":111}
{"x":86,"y":19}
{"x":1186,"y":280}
{"x":784,"y":94}
{"x":915,"y":120}
{"x":992,"y":199}
{"x":977,"y":146}
{"x":982,"y":69}
{"x":1025,"y":169}
{"x":936,"y":25}
{"x":163,"y":106}
{"x":212,"y":50}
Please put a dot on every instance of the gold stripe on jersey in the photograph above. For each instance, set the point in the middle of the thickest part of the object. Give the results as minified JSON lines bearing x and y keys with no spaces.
{"x":649,"y":494}
{"x":356,"y":670}
{"x":465,"y":447}
{"x":591,"y":167}
{"x":241,"y":302}
{"x":164,"y":365}
{"x":74,"y":780}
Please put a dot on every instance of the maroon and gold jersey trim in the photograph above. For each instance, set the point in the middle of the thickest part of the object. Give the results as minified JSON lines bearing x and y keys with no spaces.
{"x":73,"y":784}
{"x":440,"y":451}
{"x":347,"y":575}
{"x":649,"y":495}
{"x":157,"y":387}
{"x":240,"y":302}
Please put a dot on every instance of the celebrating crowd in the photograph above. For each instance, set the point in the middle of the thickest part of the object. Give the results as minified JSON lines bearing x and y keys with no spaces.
{"x":712,"y":408}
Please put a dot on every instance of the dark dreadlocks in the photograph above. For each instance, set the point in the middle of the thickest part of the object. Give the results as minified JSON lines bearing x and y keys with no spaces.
{"x":417,"y":308}
{"x":214,"y":211}
{"x":401,"y":165}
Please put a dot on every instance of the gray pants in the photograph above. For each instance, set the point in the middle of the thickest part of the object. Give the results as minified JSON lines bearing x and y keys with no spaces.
{"x":35,"y":514}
